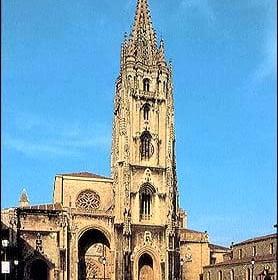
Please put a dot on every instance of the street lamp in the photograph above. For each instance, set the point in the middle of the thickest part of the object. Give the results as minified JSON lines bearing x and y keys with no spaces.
{"x":16,"y":263}
{"x":104,"y":263}
{"x":5,"y":243}
{"x":252,"y":267}
{"x":181,"y":263}
{"x":5,"y":265}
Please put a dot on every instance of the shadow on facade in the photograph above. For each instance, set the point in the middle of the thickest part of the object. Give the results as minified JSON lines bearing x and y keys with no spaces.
{"x":26,"y":262}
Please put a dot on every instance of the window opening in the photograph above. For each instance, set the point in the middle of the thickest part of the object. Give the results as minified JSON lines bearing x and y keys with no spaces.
{"x":146,"y":84}
{"x":208,"y":276}
{"x":271,"y":248}
{"x":146,"y":195}
{"x":165,"y":86}
{"x":254,"y":251}
{"x":240,"y":253}
{"x":146,"y":112}
{"x":220,"y":276}
{"x":248,"y":276}
{"x":146,"y":148}
{"x":232,"y":274}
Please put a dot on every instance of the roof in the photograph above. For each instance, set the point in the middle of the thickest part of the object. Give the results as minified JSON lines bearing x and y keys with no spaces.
{"x":184,"y":230}
{"x":244,"y":260}
{"x":189,"y":235}
{"x":217,"y":247}
{"x":85,"y":174}
{"x":56,"y":206}
{"x":256,"y":239}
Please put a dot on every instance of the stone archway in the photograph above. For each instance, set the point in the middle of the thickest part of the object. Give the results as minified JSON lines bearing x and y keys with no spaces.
{"x":39,"y":270}
{"x":146,"y":271}
{"x":94,"y":256}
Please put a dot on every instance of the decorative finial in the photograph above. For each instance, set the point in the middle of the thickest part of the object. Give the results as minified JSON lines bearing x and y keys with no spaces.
{"x":143,"y":23}
{"x":23,"y":200}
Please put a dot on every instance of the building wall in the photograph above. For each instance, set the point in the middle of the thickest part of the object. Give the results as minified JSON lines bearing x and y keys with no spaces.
{"x":195,"y":253}
{"x":239,"y":263}
{"x":67,"y":189}
{"x":255,"y":247}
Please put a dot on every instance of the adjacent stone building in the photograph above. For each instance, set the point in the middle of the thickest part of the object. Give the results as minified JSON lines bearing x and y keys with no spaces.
{"x":255,"y":257}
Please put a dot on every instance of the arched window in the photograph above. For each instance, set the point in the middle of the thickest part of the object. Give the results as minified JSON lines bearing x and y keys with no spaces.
{"x":146,"y":195}
{"x":248,"y":274}
{"x":208,"y":276}
{"x":220,"y":275}
{"x":146,"y":111}
{"x":232,"y":275}
{"x":146,"y":84}
{"x":146,"y":147}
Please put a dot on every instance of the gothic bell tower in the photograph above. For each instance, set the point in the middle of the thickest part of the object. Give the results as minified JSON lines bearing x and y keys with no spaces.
{"x":143,"y":157}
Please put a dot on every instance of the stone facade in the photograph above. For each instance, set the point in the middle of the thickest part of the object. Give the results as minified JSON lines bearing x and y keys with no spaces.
{"x":237,"y":264}
{"x":128,"y":226}
{"x":194,"y":252}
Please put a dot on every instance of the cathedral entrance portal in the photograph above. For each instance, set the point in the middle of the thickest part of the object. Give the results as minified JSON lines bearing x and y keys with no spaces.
{"x":39,"y":270}
{"x":94,"y":256}
{"x":146,"y":267}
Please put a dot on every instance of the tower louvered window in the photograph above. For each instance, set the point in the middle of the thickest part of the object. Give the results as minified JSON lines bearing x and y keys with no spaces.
{"x":146,"y":84}
{"x":146,"y":112}
{"x":146,"y":147}
{"x":146,"y":195}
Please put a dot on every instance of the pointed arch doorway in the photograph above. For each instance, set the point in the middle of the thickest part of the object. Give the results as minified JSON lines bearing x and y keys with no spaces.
{"x":146,"y":271}
{"x":39,"y":270}
{"x":94,"y":256}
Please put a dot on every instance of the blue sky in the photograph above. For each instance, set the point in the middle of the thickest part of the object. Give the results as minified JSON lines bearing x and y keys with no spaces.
{"x":59,"y":65}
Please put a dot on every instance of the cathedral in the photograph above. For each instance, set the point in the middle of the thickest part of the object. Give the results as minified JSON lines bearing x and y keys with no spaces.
{"x":128,"y":226}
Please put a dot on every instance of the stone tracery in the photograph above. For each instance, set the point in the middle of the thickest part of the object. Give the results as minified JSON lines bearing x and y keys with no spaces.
{"x":88,"y":200}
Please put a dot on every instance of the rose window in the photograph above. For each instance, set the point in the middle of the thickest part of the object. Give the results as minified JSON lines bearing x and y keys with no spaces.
{"x":88,"y":200}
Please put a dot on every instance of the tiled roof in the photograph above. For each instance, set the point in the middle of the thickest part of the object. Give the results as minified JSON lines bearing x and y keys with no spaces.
{"x":85,"y":175}
{"x":256,"y":239}
{"x":244,"y":260}
{"x":217,"y":247}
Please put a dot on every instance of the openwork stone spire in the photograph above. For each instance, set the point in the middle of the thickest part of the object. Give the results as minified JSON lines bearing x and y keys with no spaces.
{"x":142,"y":28}
{"x":142,"y":44}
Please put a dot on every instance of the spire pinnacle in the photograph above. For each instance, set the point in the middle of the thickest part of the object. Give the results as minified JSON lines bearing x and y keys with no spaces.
{"x":142,"y":28}
{"x":23,"y":200}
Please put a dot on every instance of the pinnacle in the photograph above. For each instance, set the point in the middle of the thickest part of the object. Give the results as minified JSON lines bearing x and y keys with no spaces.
{"x":23,"y":196}
{"x":161,"y":51}
{"x":142,"y":27}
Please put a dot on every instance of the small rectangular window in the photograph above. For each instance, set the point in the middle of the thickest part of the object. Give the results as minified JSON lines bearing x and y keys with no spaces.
{"x":271,"y":248}
{"x":254,"y":251}
{"x":240,"y":254}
